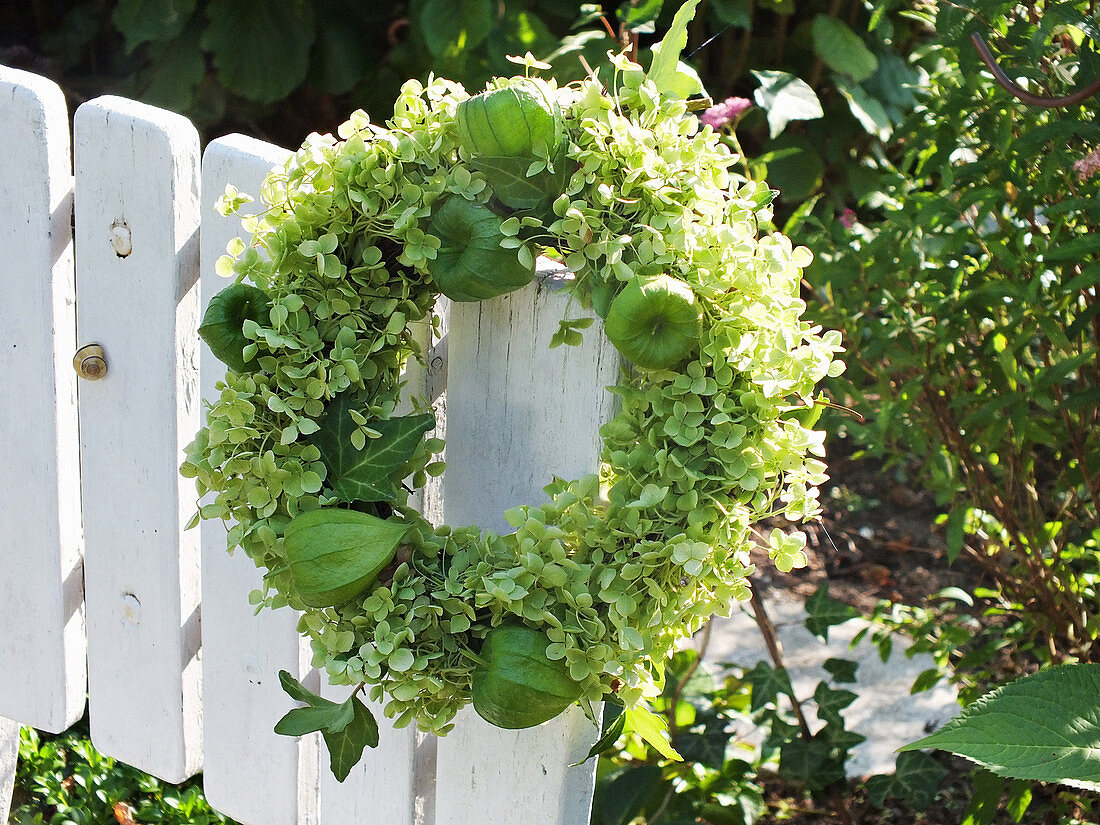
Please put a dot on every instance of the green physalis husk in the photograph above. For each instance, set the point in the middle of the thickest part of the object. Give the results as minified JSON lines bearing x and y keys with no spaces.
{"x":470,"y":264}
{"x":518,"y":120}
{"x":334,"y":555}
{"x":516,"y":685}
{"x":613,"y":570}
{"x":222,"y":326}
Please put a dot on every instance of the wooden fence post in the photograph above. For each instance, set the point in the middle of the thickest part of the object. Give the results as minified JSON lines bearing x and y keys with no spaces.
{"x":137,"y":219}
{"x":518,"y":413}
{"x":251,"y":774}
{"x":42,"y":649}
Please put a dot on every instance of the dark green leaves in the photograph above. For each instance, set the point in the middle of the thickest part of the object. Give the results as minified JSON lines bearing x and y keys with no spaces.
{"x":823,"y":613}
{"x":916,"y":779}
{"x":454,"y":26}
{"x":262,"y":55}
{"x":842,"y":49}
{"x":767,"y":683}
{"x":363,"y":473}
{"x":614,"y":723}
{"x":347,"y":727}
{"x":1042,"y":727}
{"x":144,"y":20}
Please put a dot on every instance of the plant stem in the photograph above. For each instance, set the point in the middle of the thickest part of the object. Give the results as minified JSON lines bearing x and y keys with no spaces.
{"x":771,"y":641}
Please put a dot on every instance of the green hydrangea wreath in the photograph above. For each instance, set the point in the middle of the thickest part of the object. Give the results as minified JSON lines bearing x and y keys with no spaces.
{"x":306,"y":455}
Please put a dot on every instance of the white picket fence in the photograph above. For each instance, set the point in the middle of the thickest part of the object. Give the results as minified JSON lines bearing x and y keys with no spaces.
{"x":100,"y":586}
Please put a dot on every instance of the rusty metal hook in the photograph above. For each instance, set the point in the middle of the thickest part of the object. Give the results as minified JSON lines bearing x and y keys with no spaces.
{"x":1017,"y":91}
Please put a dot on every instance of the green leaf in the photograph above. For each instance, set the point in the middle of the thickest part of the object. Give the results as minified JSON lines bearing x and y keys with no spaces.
{"x":508,"y":178}
{"x":140,"y":21}
{"x":842,"y":49}
{"x":611,"y":732}
{"x":174,"y":72}
{"x":918,"y":777}
{"x":867,"y":110}
{"x":985,"y":798}
{"x":345,"y":747}
{"x":816,"y":762}
{"x":364,"y":474}
{"x":653,"y":730}
{"x":831,"y":702}
{"x":915,"y":780}
{"x":842,"y":670}
{"x":262,"y":55}
{"x":639,"y":17}
{"x":1042,"y":727}
{"x":785,"y":98}
{"x":666,"y":58}
{"x":300,"y":721}
{"x":298,"y":691}
{"x":822,"y":613}
{"x":767,"y":683}
{"x":628,"y":794}
{"x":451,"y":27}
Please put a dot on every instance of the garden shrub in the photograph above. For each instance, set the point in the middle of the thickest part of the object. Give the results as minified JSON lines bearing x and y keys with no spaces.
{"x":968,"y":286}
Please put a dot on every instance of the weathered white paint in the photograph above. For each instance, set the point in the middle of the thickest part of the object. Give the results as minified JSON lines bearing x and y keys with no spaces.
{"x":243,"y":652}
{"x":43,"y":677}
{"x":9,"y":755}
{"x":518,"y":413}
{"x":137,"y":192}
{"x":395,"y":782}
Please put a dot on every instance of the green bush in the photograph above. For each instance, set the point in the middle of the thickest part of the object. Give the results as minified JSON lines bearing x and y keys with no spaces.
{"x":830,"y":79}
{"x":966,"y":281}
{"x":63,"y":780}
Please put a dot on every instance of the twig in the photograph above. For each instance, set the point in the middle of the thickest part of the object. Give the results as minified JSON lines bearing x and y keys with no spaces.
{"x":1017,"y":91}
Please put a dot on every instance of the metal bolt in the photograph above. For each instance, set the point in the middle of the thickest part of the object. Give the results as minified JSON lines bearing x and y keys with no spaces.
{"x":90,"y":362}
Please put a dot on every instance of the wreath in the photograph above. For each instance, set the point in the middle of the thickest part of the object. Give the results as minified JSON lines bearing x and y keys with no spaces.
{"x":308,"y":460}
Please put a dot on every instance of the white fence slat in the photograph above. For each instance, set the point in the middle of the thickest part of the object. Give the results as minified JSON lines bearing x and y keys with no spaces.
{"x":393,"y":783}
{"x":137,"y":217}
{"x":518,"y":413}
{"x":9,"y":755}
{"x":42,"y":647}
{"x":250,"y":773}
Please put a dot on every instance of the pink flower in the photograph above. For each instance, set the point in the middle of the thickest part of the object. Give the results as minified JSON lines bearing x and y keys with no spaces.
{"x":847,"y":218}
{"x":728,"y":111}
{"x":1086,"y":167}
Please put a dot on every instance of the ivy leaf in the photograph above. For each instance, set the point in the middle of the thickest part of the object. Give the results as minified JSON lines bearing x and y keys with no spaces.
{"x":842,"y":49}
{"x":140,"y":21}
{"x":345,"y":747}
{"x":916,"y":779}
{"x":1042,"y":727}
{"x":347,"y":726}
{"x":816,"y":762}
{"x":785,"y":98}
{"x":831,"y":702}
{"x":842,"y":670}
{"x":261,"y":55}
{"x":300,"y":721}
{"x":653,"y":730}
{"x":364,"y":474}
{"x":767,"y":683}
{"x":822,"y":613}
{"x":666,"y":57}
